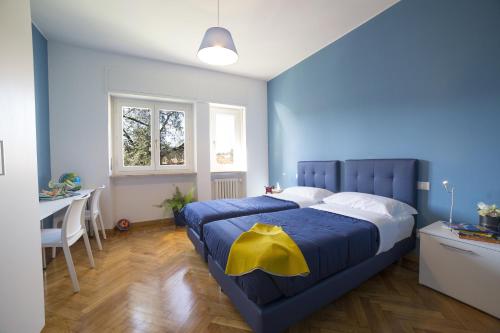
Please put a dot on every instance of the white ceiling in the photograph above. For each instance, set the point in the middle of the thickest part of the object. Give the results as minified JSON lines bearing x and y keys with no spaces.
{"x":270,"y":35}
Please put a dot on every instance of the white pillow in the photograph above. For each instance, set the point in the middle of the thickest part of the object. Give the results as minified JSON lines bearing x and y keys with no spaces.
{"x":310,"y":193}
{"x":372,"y":203}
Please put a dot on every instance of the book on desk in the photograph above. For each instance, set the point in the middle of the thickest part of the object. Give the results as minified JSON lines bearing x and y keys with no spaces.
{"x":476,"y":233}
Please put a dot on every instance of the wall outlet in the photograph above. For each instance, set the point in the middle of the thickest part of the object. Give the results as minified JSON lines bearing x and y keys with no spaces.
{"x":423,"y":186}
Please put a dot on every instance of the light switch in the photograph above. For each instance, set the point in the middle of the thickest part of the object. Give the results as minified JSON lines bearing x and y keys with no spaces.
{"x":424,"y":186}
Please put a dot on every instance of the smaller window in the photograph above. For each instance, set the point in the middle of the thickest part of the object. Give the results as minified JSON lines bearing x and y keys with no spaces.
{"x":227,"y":134}
{"x":172,"y":137}
{"x":136,"y":130}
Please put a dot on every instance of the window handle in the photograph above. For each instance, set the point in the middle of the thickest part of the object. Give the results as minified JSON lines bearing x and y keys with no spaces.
{"x":2,"y":164}
{"x":454,"y":248}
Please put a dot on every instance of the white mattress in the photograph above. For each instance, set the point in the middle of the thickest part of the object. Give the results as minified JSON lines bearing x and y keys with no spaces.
{"x":391,"y":229}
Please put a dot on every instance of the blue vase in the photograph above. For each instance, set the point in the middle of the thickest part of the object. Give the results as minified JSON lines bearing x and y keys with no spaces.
{"x":490,"y":222}
{"x":179,"y":219}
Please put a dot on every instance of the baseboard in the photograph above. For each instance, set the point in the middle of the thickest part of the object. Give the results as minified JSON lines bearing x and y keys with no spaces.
{"x":141,"y":224}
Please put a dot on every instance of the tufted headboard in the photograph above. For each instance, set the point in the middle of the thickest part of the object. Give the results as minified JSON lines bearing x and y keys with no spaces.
{"x":323,"y":174}
{"x":393,"y":178}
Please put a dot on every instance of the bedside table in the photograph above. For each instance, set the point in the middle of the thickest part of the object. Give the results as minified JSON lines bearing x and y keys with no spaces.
{"x":463,"y":269}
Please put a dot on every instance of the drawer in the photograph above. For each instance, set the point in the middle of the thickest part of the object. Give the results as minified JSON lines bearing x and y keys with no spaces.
{"x":463,"y":271}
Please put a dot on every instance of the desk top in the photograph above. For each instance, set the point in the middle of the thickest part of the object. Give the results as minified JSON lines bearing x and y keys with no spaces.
{"x":48,"y":208}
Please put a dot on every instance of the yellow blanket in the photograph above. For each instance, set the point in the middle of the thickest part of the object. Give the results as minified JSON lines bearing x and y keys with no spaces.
{"x":268,"y":248}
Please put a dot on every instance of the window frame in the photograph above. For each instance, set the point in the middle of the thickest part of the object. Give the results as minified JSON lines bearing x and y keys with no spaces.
{"x":240,"y":127}
{"x":117,"y":167}
{"x":188,"y":135}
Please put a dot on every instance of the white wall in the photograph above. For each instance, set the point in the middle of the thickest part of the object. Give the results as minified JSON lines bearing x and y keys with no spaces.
{"x":79,"y":82}
{"x":21,"y":281}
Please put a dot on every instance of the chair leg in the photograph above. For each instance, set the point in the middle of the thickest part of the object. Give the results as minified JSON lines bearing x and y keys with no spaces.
{"x":102,"y":226}
{"x":44,"y":260}
{"x":89,"y":250}
{"x":54,"y":225}
{"x":96,"y":233}
{"x":71,"y":268}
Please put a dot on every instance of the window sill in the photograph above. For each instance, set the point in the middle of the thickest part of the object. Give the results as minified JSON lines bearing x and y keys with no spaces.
{"x":149,"y":174}
{"x":228,"y":171}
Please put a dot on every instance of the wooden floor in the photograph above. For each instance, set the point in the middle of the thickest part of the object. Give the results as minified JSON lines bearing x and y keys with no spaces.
{"x":151,"y":280}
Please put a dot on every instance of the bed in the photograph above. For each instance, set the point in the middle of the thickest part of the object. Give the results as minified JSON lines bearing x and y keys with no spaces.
{"x":318,"y":174}
{"x":342,"y":251}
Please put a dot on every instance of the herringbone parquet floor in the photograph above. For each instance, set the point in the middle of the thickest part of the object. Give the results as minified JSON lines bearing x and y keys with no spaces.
{"x":151,"y":280}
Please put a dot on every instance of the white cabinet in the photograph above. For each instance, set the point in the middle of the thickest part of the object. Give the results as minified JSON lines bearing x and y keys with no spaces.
{"x":21,"y":279}
{"x":463,"y":269}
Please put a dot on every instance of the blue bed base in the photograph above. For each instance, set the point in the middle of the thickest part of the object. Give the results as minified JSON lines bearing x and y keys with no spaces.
{"x":198,"y":244}
{"x":277,"y":316}
{"x":393,"y":178}
{"x":321,"y":174}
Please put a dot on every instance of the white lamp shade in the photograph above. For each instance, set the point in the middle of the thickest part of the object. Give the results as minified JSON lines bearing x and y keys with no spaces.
{"x":217,"y":47}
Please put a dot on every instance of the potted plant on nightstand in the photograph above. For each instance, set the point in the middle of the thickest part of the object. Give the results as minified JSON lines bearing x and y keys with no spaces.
{"x":489,"y":216}
{"x":176,"y":203}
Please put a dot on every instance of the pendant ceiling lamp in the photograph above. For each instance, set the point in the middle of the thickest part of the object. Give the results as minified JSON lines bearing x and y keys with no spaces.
{"x":217,"y":46}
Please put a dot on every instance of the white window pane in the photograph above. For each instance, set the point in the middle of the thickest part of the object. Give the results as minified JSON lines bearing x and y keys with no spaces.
{"x":136,"y":125}
{"x":172,"y":137}
{"x":225,"y":138}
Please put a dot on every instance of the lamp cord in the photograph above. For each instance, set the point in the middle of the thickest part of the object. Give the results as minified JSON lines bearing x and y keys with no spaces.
{"x":218,"y":5}
{"x":452,"y":203}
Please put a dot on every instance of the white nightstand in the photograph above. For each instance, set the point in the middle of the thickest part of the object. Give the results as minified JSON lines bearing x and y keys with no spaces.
{"x":463,"y":269}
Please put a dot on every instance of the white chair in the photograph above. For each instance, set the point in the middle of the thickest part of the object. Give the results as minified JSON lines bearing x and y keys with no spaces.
{"x":94,"y":214}
{"x":73,"y":227}
{"x":91,"y":215}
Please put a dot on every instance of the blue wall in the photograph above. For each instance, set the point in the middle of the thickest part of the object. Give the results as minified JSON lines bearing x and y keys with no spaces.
{"x":421,"y":80}
{"x":41,"y":106}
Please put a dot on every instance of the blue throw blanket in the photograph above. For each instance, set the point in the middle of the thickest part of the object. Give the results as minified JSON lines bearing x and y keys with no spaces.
{"x":196,"y":214}
{"x":329,"y":242}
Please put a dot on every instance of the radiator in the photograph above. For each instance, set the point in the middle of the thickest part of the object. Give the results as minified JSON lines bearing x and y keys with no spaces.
{"x":226,"y":188}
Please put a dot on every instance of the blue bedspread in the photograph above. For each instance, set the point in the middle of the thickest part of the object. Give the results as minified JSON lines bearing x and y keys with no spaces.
{"x":329,"y":242}
{"x":197,"y":214}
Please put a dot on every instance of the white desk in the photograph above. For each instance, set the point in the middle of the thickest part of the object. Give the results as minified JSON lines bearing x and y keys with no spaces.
{"x":48,"y":208}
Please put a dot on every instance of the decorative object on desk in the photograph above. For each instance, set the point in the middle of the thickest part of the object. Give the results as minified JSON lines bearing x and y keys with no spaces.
{"x":269,"y":189}
{"x":72,"y":180}
{"x":489,"y":216}
{"x":451,"y":190}
{"x":123,"y":225}
{"x":56,"y":191}
{"x":54,"y":195}
{"x":176,"y":203}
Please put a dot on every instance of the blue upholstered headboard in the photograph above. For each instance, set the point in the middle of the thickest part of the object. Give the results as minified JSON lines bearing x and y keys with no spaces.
{"x":393,"y":178}
{"x":323,"y":174}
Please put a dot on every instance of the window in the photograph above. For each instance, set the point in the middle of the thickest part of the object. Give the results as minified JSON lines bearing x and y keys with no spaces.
{"x":152,"y":137}
{"x":227,"y":134}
